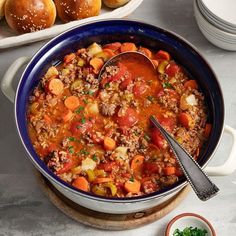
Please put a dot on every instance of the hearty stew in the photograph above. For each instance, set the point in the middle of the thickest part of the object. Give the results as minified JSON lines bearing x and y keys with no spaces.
{"x":97,"y":136}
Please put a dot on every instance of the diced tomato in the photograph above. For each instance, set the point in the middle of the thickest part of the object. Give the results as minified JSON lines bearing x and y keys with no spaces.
{"x":129,"y":119}
{"x":157,"y":138}
{"x":120,"y":73}
{"x":172,"y":69}
{"x":67,"y":166}
{"x":186,"y":120}
{"x":139,"y":88}
{"x":124,"y":84}
{"x":152,"y":168}
{"x":108,"y":167}
{"x":80,"y":127}
{"x":162,"y":55}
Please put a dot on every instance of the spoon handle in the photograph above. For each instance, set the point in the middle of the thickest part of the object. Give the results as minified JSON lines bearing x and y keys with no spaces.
{"x":198,"y":180}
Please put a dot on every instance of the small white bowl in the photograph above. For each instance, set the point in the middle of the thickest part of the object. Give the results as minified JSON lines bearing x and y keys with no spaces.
{"x":189,"y":219}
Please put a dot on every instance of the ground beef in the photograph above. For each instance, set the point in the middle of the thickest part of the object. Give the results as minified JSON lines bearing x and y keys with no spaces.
{"x":108,"y":109}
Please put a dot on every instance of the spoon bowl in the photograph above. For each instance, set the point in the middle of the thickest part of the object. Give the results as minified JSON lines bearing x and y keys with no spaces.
{"x":136,"y":56}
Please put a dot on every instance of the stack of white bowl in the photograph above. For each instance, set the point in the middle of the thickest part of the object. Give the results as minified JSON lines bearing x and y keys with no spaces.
{"x":217,"y":21}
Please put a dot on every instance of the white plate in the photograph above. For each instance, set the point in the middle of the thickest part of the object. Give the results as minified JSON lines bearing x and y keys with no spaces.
{"x":223,"y":9}
{"x":215,"y":21}
{"x":8,"y":38}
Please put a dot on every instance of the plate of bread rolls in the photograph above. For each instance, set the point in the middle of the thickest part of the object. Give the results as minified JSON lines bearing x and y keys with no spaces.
{"x":26,"y":21}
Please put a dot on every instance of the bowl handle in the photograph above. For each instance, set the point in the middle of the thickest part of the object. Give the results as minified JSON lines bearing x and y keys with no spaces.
{"x":6,"y":83}
{"x":230,"y":164}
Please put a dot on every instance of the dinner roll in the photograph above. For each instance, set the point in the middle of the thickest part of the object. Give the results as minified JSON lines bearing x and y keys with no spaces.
{"x":2,"y":5}
{"x":69,"y":10}
{"x":115,"y":3}
{"x":30,"y":15}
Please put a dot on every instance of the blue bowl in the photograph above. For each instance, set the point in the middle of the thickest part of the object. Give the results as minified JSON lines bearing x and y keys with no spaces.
{"x":121,"y":30}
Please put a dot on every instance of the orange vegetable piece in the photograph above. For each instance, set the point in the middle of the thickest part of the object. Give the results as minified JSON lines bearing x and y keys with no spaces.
{"x":186,"y":120}
{"x":169,"y":170}
{"x":96,"y":63}
{"x":72,"y":102}
{"x":126,"y":47}
{"x":145,"y":51}
{"x":207,"y":130}
{"x":137,"y":164}
{"x":155,"y":63}
{"x":163,"y":55}
{"x":109,"y":143}
{"x":191,"y":84}
{"x":112,"y":46}
{"x":67,"y":115}
{"x":132,"y":186}
{"x":55,"y":86}
{"x":68,"y":58}
{"x":81,"y":183}
{"x":109,"y":52}
{"x":102,"y":180}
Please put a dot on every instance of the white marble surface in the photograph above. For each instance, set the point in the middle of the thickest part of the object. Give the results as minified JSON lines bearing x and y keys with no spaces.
{"x":24,"y":210}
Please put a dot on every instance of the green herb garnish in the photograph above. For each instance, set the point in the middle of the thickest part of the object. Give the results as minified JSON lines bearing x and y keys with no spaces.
{"x":132,"y":178}
{"x":85,"y":101}
{"x":146,"y":137}
{"x":94,"y":157}
{"x":107,"y":85}
{"x":71,"y":139}
{"x":167,"y":85}
{"x":84,"y":152}
{"x":83,"y":120}
{"x":71,"y":149}
{"x":190,"y":231}
{"x":81,"y":108}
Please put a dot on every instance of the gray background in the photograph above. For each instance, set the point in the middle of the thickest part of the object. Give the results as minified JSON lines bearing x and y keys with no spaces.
{"x":24,"y":210}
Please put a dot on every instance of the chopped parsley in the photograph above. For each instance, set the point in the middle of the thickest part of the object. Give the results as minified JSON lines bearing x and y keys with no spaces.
{"x":83,"y":120}
{"x":94,"y":157}
{"x":81,"y":108}
{"x":71,"y":149}
{"x":71,"y":139}
{"x":84,"y":152}
{"x":85,"y":101}
{"x":131,"y":179}
{"x":167,"y":85}
{"x":78,"y":127}
{"x":146,"y":137}
{"x":190,"y":231}
{"x":107,"y":85}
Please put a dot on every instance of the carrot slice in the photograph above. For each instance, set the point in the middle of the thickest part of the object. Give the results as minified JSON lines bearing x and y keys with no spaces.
{"x":102,"y":180}
{"x":109,"y":52}
{"x":137,"y":164}
{"x":109,"y":143}
{"x":72,"y":102}
{"x":67,"y":115}
{"x":81,"y":183}
{"x":132,"y":186}
{"x":191,"y":84}
{"x":169,"y":170}
{"x":68,"y":58}
{"x":55,"y":86}
{"x":145,"y":51}
{"x":112,"y":46}
{"x":207,"y":130}
{"x":126,"y":47}
{"x":163,"y":55}
{"x":96,"y":63}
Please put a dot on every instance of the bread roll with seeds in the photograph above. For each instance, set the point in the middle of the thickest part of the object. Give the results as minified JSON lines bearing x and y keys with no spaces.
{"x":69,"y":10}
{"x":26,"y":16}
{"x":2,"y":5}
{"x":115,"y":3}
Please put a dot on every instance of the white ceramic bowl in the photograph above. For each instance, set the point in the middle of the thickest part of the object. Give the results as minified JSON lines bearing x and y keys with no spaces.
{"x":189,"y":219}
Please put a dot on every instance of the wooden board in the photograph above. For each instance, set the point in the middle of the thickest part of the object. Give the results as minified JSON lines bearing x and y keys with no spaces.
{"x":109,"y":221}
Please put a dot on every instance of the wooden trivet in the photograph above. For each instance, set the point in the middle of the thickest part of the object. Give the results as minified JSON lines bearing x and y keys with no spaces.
{"x":109,"y":221}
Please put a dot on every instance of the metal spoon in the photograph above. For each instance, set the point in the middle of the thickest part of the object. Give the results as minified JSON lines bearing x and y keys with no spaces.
{"x":126,"y":55}
{"x":198,"y":180}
